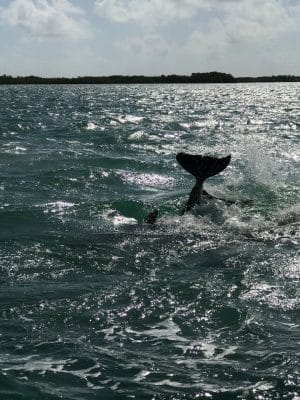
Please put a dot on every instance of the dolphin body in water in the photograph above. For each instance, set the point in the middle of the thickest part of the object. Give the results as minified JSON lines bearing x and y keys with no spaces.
{"x":201,"y":167}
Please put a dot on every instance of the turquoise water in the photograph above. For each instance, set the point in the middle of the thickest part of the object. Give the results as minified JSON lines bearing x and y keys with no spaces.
{"x":94,"y":304}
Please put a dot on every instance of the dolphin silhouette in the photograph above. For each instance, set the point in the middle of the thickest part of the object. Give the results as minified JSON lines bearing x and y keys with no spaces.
{"x":201,"y":167}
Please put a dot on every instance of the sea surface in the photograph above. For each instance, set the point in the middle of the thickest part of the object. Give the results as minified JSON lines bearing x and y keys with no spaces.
{"x":96,"y":304}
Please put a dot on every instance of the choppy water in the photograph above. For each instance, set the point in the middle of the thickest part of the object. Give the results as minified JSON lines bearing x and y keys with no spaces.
{"x":96,"y":305}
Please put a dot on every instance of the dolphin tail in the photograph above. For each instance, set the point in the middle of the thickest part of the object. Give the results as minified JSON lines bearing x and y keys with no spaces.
{"x":202,"y":167}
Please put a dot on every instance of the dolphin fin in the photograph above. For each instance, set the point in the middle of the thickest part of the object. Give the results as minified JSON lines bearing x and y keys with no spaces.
{"x":202,"y":167}
{"x":151,"y":218}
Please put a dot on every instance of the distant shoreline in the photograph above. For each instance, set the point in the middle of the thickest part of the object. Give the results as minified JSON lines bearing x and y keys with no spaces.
{"x":205,"y":77}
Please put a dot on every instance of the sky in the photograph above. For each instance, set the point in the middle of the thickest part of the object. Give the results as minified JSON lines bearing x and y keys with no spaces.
{"x":149,"y":37}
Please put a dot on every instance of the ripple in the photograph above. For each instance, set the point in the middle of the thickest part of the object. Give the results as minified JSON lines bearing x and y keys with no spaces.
{"x":94,"y":303}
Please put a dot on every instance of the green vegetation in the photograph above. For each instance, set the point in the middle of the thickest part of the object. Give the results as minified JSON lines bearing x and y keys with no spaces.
{"x":206,"y":77}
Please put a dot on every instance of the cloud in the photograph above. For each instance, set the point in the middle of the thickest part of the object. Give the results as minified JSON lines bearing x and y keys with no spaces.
{"x":46,"y":18}
{"x":259,"y":20}
{"x":240,"y":18}
{"x":148,"y":12}
{"x":155,"y":12}
{"x":239,"y":36}
{"x":150,"y":45}
{"x":246,"y":36}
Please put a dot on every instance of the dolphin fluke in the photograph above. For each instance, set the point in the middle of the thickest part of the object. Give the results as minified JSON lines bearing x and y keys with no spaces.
{"x":202,"y":167}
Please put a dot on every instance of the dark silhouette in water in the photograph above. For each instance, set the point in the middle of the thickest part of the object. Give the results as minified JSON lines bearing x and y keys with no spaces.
{"x":201,"y":167}
{"x":151,"y":218}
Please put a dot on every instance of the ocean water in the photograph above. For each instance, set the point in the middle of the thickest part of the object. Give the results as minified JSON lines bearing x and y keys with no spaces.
{"x":95,"y":304}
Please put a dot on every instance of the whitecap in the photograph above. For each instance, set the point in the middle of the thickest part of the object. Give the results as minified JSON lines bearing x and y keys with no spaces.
{"x":121,"y":220}
{"x":12,"y":149}
{"x":20,"y":149}
{"x":91,"y":126}
{"x":136,"y":135}
{"x":56,"y":207}
{"x":141,"y":375}
{"x":132,"y":119}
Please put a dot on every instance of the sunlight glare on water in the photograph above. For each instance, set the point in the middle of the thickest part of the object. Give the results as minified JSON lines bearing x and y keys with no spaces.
{"x":94,"y":303}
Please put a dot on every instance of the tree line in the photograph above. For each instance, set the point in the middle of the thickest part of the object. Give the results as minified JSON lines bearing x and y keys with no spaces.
{"x":199,"y":77}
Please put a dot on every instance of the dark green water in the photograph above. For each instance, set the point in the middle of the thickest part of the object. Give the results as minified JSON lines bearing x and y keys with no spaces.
{"x":96,"y":305}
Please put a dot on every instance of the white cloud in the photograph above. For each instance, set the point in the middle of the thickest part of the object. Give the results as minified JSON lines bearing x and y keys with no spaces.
{"x":148,"y":12}
{"x":241,"y":18}
{"x":152,"y":36}
{"x":260,"y":20}
{"x":46,"y":18}
{"x":150,"y":45}
{"x":155,"y":12}
{"x":246,"y":36}
{"x":238,"y":36}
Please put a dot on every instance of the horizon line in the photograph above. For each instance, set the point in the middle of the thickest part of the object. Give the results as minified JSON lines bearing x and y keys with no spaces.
{"x":195,"y":77}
